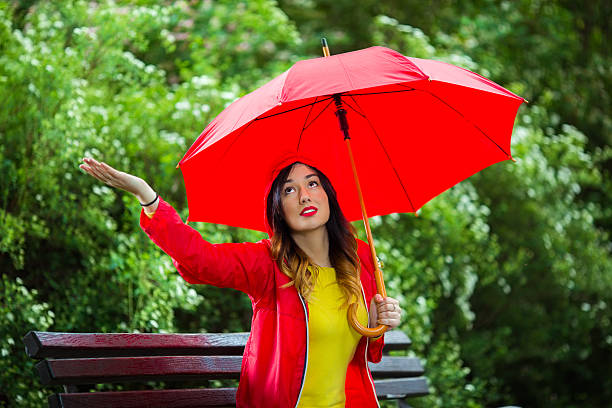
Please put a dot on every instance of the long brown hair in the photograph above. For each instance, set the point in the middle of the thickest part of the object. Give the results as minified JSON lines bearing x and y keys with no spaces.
{"x":294,"y":262}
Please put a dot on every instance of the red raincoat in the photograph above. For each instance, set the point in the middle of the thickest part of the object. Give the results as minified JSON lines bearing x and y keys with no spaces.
{"x":275,"y":356}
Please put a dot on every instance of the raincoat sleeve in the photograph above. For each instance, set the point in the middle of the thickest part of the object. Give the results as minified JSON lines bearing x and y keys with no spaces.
{"x":375,"y":349}
{"x":242,"y":266}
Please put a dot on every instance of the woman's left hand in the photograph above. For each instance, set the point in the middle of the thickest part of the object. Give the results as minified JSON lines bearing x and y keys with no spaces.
{"x":385,"y":311}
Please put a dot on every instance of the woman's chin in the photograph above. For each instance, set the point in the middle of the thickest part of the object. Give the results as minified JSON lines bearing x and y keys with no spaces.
{"x":308,"y":226}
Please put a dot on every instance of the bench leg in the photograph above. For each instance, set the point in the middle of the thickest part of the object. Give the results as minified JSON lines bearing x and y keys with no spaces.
{"x":71,"y":388}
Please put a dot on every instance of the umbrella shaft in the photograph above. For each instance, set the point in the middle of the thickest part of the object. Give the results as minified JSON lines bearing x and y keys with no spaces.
{"x":341,"y":114}
{"x":380,"y":284}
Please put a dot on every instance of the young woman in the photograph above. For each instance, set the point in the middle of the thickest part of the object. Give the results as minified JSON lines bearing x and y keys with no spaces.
{"x":302,"y":352}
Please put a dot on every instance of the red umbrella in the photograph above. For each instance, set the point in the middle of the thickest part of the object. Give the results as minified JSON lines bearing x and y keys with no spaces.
{"x":417,"y":128}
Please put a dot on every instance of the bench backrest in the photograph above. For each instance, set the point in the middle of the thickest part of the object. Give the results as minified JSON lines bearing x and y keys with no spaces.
{"x":74,"y":359}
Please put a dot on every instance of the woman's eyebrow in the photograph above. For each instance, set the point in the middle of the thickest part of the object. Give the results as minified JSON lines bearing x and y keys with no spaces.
{"x":307,"y":177}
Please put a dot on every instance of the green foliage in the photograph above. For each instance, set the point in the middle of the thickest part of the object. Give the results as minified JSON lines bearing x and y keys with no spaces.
{"x":548,"y":313}
{"x":242,"y":43}
{"x":450,"y":374}
{"x":504,"y":279}
{"x":555,"y":47}
{"x":20,"y":311}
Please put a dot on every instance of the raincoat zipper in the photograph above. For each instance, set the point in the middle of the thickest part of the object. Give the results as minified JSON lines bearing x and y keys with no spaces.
{"x":365,"y":302}
{"x":306,"y":358}
{"x":365,"y":355}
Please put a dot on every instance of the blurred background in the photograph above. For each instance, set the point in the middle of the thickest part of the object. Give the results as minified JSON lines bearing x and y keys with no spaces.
{"x":505,"y":279}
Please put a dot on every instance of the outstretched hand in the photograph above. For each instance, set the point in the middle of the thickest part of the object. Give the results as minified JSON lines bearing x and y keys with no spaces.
{"x":118,"y":179}
{"x":385,"y":311}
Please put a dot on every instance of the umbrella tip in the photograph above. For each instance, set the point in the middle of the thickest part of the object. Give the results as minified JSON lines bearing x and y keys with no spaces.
{"x":512,"y":158}
{"x":525,"y":100}
{"x":177,"y":165}
{"x":325,"y":47}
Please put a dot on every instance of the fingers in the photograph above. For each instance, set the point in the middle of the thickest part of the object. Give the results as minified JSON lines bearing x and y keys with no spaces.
{"x":390,"y":315}
{"x":382,"y":317}
{"x":389,"y":312}
{"x":91,"y":171}
{"x":114,"y":178}
{"x":388,"y":307}
{"x":95,"y":169}
{"x":93,"y":163}
{"x":110,"y":171}
{"x":104,"y":173}
{"x":387,"y":303}
{"x":392,"y":319}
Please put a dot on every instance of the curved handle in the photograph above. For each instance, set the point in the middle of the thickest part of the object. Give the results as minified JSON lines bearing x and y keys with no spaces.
{"x":352,"y":311}
{"x":364,"y":331}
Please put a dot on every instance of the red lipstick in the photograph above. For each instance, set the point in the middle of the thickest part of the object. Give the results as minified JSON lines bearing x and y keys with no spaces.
{"x":309,"y":211}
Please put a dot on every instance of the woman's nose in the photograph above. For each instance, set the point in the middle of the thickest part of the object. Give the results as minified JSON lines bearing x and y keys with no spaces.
{"x":304,"y":196}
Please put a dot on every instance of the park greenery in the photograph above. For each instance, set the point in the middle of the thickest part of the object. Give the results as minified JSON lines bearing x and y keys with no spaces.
{"x":505,"y":279}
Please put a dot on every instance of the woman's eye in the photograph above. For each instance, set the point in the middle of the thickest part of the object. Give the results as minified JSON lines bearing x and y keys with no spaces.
{"x":288,"y":190}
{"x":313,"y":184}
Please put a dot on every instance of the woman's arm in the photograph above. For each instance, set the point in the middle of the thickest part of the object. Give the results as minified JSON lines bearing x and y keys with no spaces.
{"x":245,"y":266}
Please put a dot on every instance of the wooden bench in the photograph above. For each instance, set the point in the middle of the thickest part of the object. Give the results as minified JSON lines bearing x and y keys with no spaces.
{"x":76,"y":361}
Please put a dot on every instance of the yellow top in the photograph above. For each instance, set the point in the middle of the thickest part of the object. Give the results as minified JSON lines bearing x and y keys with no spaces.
{"x":331,"y":343}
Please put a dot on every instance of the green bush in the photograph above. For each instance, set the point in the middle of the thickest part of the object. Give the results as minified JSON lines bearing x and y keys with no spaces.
{"x":20,"y":311}
{"x":504,"y":279}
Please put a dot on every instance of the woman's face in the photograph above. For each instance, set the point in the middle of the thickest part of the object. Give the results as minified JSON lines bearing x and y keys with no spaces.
{"x":304,"y":201}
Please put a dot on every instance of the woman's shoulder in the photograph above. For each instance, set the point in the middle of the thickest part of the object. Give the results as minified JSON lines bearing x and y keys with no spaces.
{"x":263,"y":245}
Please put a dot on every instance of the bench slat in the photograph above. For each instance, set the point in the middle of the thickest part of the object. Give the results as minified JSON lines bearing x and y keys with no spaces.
{"x":120,"y":369}
{"x":71,"y":345}
{"x":398,"y":388}
{"x":188,"y":398}
{"x":177,"y":368}
{"x":394,"y":367}
{"x":192,"y":398}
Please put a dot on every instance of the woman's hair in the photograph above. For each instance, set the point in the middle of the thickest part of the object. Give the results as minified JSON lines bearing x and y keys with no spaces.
{"x":294,"y":262}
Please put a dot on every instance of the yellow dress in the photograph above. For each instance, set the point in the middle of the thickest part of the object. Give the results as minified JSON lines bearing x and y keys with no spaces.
{"x":331,"y":343}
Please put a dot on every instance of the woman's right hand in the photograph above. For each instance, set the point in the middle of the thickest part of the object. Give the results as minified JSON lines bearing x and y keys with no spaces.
{"x":119,"y":179}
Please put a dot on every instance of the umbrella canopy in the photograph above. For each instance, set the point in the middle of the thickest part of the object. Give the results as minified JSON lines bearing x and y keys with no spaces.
{"x":417,"y":128}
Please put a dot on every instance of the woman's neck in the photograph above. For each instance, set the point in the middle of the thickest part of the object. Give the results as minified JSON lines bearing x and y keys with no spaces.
{"x":315,"y":245}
